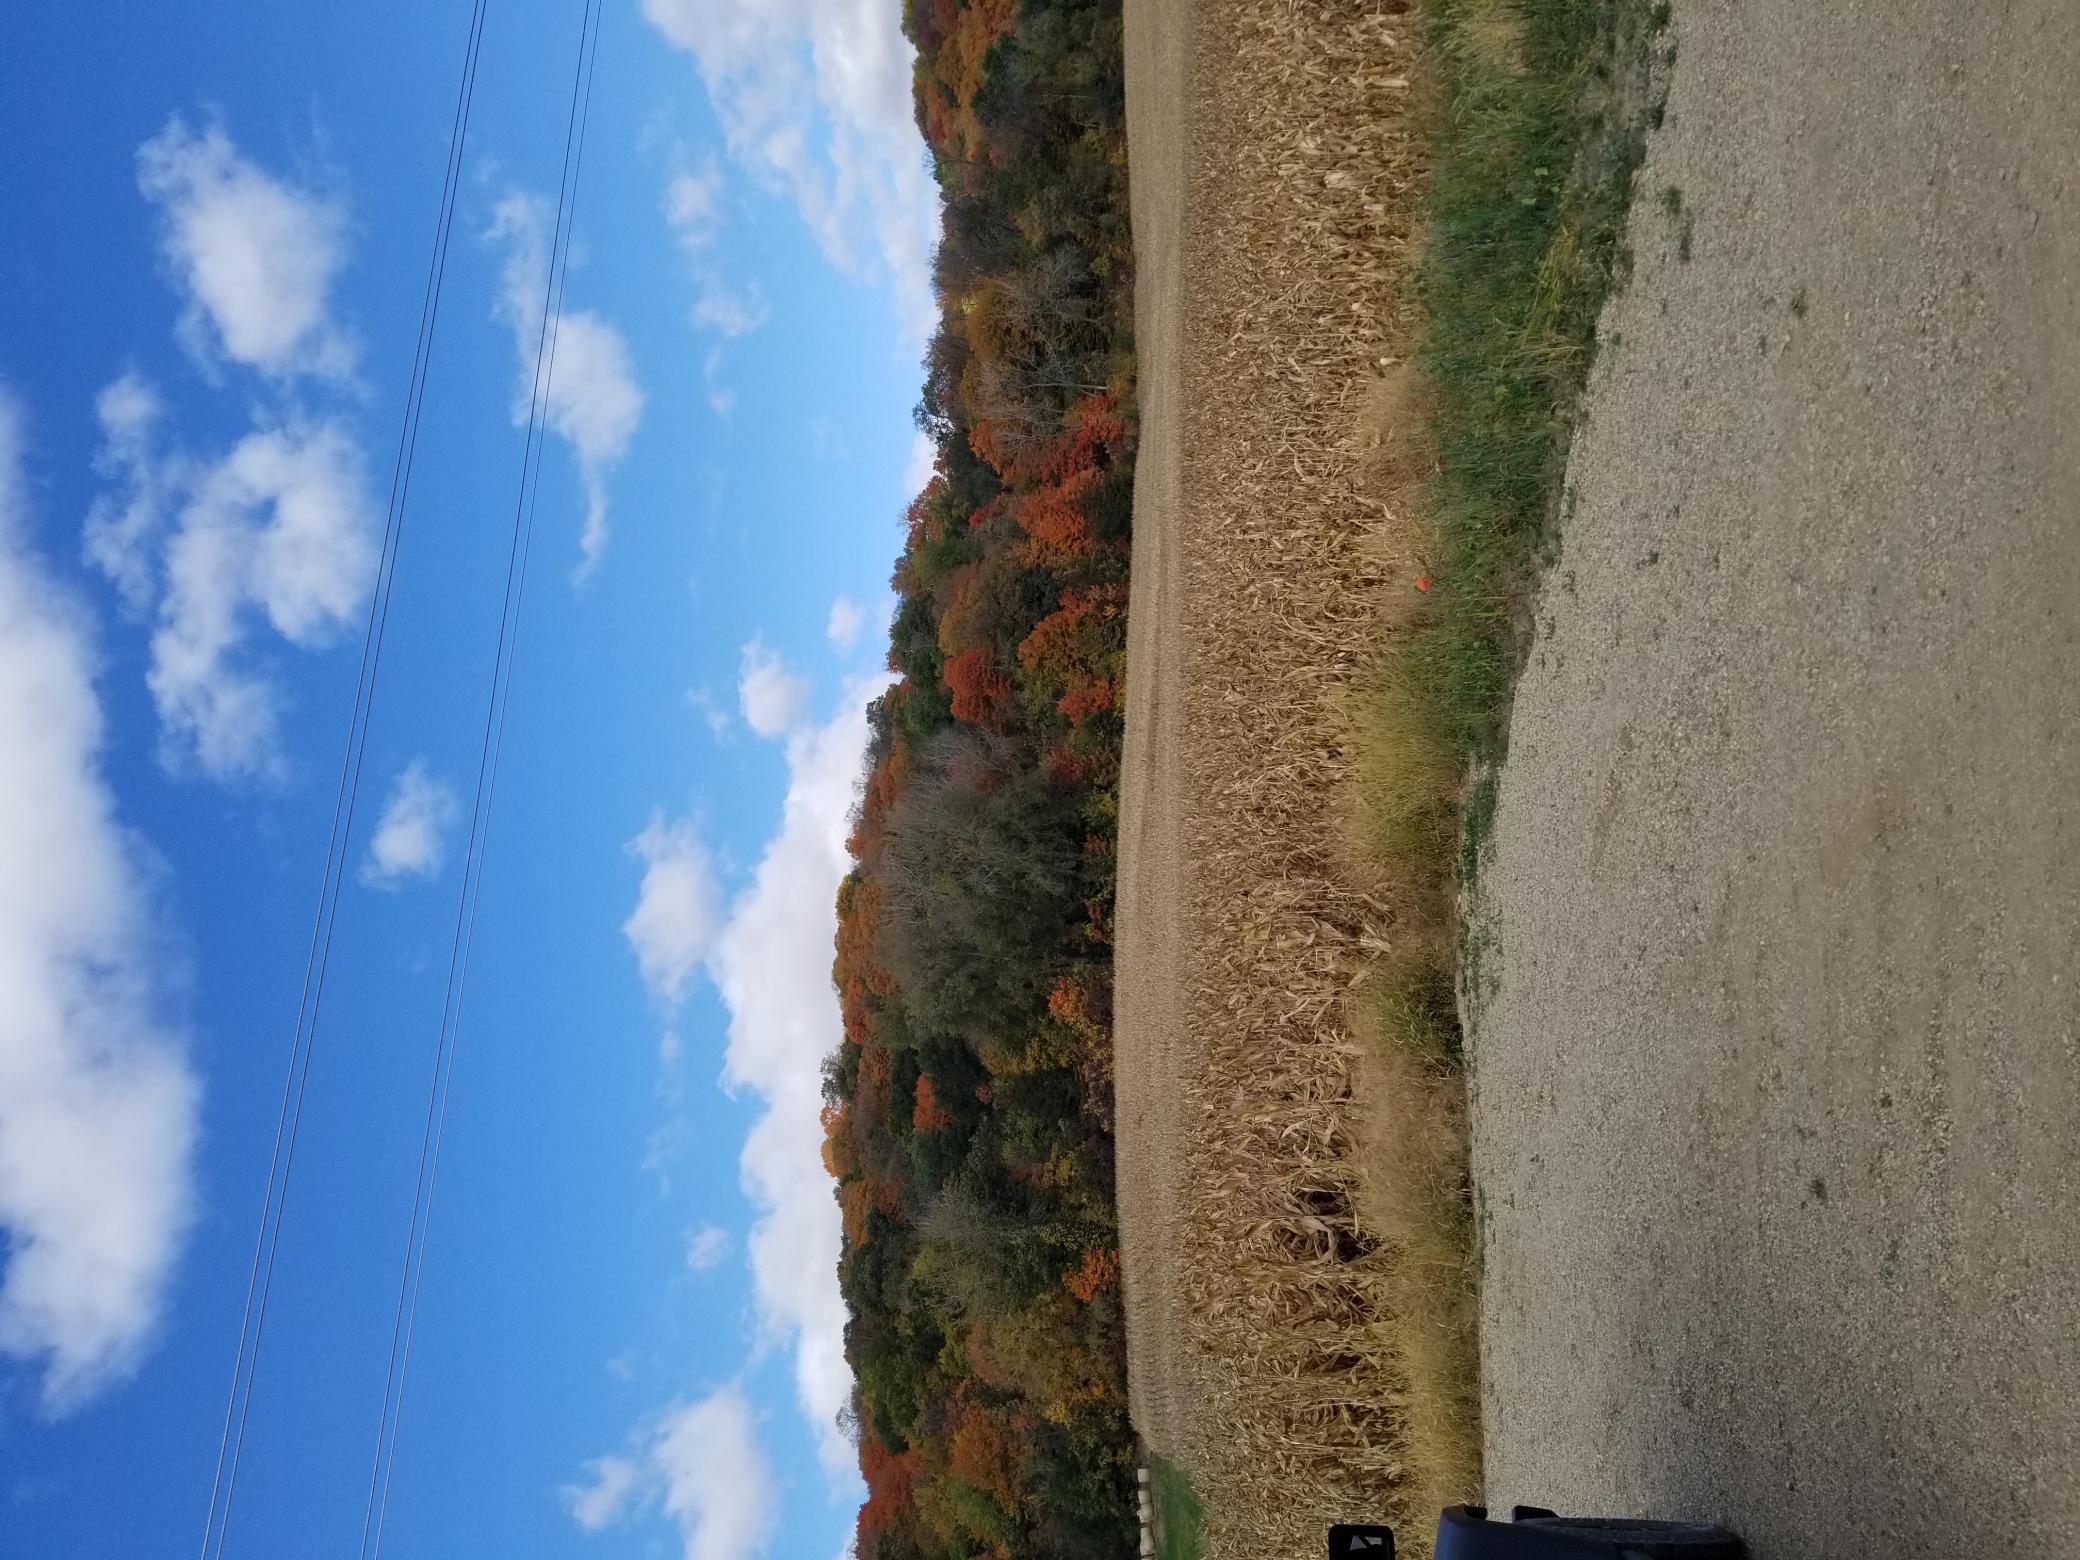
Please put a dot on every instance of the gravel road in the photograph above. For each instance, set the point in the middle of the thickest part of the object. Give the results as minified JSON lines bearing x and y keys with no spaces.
{"x":1777,"y":1051}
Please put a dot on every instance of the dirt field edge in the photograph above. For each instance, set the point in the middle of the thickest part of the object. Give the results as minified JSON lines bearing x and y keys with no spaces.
{"x":1150,"y":998}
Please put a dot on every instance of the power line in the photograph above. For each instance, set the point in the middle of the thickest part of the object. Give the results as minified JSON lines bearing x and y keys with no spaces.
{"x":296,"y":1082}
{"x":383,"y":1465}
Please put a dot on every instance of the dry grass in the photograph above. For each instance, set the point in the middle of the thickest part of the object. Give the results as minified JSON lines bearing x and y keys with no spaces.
{"x":1404,"y":780}
{"x":1325,"y":1279}
{"x":1414,"y":1191}
{"x":1491,"y":34}
{"x":1341,"y":724}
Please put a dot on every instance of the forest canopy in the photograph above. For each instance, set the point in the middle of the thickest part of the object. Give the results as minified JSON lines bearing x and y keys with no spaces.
{"x":968,"y":1109}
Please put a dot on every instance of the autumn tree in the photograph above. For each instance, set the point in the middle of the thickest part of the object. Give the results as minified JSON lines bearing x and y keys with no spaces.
{"x":968,"y":1119}
{"x":980,"y":873}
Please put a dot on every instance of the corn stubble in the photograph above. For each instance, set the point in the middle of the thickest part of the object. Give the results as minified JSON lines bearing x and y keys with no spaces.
{"x":1327,"y":1273}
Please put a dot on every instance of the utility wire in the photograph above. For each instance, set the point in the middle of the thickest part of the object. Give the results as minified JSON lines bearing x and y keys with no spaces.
{"x":383,"y":1464}
{"x":296,"y":1082}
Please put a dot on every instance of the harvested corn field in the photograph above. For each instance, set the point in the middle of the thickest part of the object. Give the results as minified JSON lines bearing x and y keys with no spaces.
{"x":1291,"y":1180}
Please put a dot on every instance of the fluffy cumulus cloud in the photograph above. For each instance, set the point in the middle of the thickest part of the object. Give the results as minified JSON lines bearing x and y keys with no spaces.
{"x":279,"y":532}
{"x":847,"y":618}
{"x":97,"y":1102}
{"x":717,"y":1484}
{"x":704,"y":1466}
{"x":253,"y":257}
{"x":771,"y":964}
{"x":814,"y":99}
{"x":771,"y":696}
{"x":594,"y":402}
{"x":693,"y":206}
{"x":678,"y":908}
{"x":769,"y":959}
{"x":411,"y":835}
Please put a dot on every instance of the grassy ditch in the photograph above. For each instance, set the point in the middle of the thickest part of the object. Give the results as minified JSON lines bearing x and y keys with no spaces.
{"x":1544,"y":109}
{"x":1177,"y":1512}
{"x":1539,"y":118}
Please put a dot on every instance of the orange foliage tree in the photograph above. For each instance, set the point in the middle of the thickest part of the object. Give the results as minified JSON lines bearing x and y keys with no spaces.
{"x":979,"y":687}
{"x":1098,"y":1271}
{"x":980,"y":1453}
{"x":928,"y":1115}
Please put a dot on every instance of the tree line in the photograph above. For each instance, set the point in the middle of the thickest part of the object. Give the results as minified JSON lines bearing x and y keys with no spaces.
{"x":968,"y":1108}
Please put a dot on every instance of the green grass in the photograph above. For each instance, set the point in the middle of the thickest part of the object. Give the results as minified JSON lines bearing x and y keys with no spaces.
{"x":1177,"y":1512}
{"x":1543,"y":115}
{"x":1542,"y":112}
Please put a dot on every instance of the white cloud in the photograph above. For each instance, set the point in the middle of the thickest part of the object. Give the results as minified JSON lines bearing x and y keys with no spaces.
{"x":409,"y":839}
{"x":693,"y":206}
{"x":603,"y":1499}
{"x":814,"y":97}
{"x":847,"y":618}
{"x":718,"y":1485}
{"x":706,"y":1248}
{"x":771,"y":697}
{"x":253,"y":257}
{"x":97,"y":1102}
{"x":123,"y":528}
{"x":772,"y":965}
{"x":664,"y":1148}
{"x":594,"y":402}
{"x":924,"y":461}
{"x":730,"y":312}
{"x":705,"y":1465}
{"x":722,"y":400}
{"x":719,"y":721}
{"x":678,"y":908}
{"x":280,"y":528}
{"x":770,"y":961}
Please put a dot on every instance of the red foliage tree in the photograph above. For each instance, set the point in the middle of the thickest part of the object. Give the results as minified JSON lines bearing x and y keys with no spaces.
{"x":954,"y":41}
{"x":1092,"y":433}
{"x":889,"y":1477}
{"x":1088,"y":696}
{"x":1080,"y":644}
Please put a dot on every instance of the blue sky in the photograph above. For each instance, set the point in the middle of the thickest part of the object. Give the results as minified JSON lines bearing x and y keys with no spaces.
{"x":629,"y":1342}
